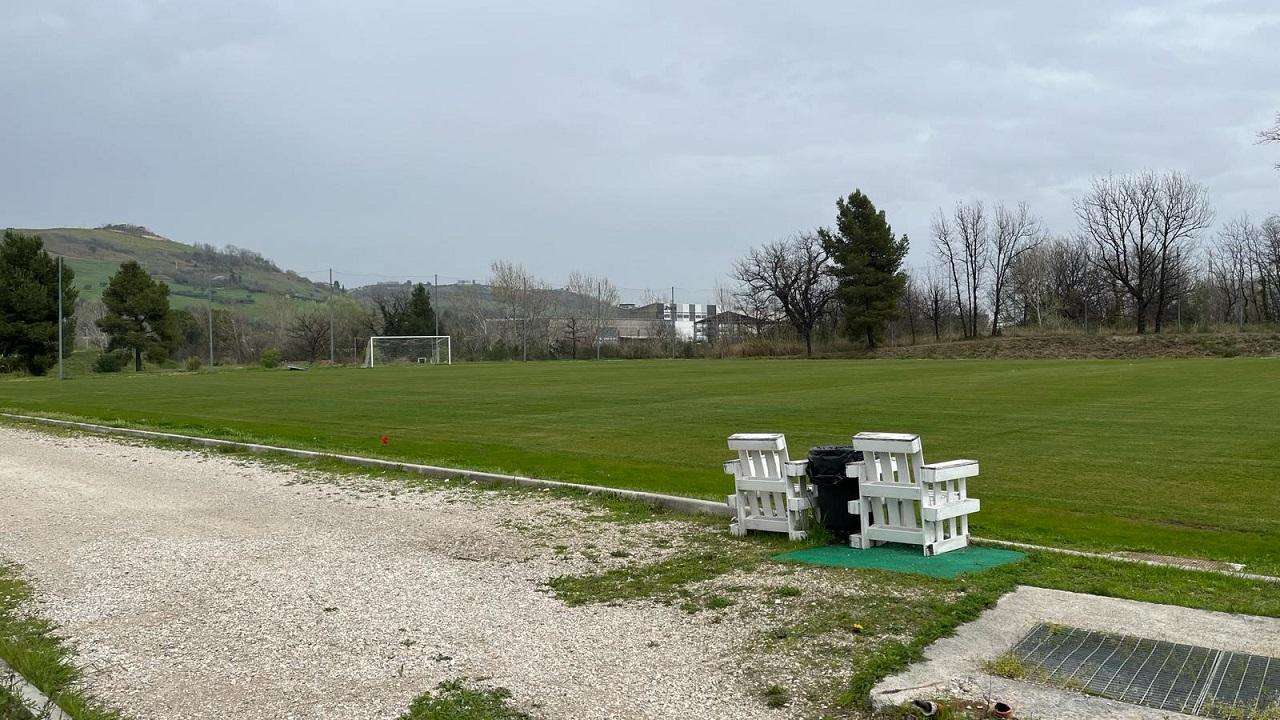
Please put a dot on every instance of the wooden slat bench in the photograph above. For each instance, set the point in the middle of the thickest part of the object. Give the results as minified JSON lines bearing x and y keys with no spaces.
{"x":771,"y":492}
{"x":904,"y":500}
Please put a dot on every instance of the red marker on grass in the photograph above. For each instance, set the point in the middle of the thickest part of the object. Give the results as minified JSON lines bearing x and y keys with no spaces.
{"x":385,"y":440}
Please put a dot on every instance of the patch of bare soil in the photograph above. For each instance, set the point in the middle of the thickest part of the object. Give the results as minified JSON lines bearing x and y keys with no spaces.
{"x":1086,"y":347}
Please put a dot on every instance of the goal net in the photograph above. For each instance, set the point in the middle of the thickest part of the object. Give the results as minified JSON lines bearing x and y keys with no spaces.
{"x":408,"y":349}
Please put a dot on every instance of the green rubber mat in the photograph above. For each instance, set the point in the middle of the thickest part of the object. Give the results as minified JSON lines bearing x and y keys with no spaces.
{"x":905,"y":559}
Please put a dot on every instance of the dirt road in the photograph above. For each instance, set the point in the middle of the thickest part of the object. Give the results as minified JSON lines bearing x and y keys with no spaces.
{"x":204,"y":586}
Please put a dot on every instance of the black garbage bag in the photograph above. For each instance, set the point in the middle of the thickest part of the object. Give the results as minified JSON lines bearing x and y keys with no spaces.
{"x":834,"y":490}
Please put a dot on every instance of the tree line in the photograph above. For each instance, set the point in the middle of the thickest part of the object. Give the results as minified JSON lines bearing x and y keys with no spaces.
{"x":1141,"y":256}
{"x":134,"y":322}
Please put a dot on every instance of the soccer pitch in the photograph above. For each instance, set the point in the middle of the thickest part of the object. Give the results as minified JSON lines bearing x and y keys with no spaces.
{"x":1180,"y":457}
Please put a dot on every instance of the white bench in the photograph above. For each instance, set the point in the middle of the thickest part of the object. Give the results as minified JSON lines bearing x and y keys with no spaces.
{"x":904,"y":500}
{"x":770,"y":491}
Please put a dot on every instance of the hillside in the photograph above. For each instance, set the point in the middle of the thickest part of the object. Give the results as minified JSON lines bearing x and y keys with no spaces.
{"x":468,"y":298}
{"x":247,"y":278}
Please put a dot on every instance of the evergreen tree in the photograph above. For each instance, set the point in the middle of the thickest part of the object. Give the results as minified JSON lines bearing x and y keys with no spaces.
{"x":29,"y":304}
{"x":408,"y":316}
{"x":420,"y":317}
{"x":868,"y":266}
{"x":138,"y":316}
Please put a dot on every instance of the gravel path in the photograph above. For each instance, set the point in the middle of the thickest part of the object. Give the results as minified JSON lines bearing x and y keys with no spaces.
{"x":202,"y":586}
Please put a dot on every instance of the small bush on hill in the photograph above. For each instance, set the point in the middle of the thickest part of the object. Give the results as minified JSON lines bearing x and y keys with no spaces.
{"x":194,"y":363}
{"x":110,"y":362}
{"x":271,"y":359}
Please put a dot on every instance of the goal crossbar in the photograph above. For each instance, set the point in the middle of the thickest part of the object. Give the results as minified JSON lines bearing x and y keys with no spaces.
{"x":448,"y":344}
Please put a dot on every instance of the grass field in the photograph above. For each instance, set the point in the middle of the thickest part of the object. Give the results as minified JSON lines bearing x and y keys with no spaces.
{"x":1169,"y":456}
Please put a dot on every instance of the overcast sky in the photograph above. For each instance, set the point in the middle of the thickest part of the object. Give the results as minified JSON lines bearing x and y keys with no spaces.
{"x":651,"y":142}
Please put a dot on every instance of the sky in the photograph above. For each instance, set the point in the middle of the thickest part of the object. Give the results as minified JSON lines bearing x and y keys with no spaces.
{"x":650,"y":142}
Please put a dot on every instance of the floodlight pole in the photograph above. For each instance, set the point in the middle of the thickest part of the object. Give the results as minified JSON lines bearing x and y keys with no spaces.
{"x":673,"y":322}
{"x":435,"y":290}
{"x":209,"y":315}
{"x":60,"y":374}
{"x":331,"y":349}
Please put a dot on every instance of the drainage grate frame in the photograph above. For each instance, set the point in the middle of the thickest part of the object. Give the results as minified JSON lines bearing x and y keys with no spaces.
{"x":1189,"y":679}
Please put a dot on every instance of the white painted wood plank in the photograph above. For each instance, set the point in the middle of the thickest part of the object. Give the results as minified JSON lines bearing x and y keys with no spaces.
{"x":769,"y":524}
{"x":891,"y":534}
{"x":799,"y":504}
{"x":899,"y":491}
{"x":795,"y":468}
{"x":951,"y":510}
{"x":950,"y":544}
{"x":762,"y":484}
{"x":886,"y":442}
{"x":943,"y":472}
{"x":757,"y":441}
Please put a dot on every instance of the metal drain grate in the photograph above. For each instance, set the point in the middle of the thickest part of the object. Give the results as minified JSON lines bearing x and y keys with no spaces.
{"x":1162,"y":675}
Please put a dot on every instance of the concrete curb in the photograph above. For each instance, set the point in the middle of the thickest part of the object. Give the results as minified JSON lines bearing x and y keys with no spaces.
{"x":36,"y":702}
{"x":673,"y":502}
{"x":1121,"y":558}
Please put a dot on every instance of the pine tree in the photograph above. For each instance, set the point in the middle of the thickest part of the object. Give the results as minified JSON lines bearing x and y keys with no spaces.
{"x":138,"y":316}
{"x":29,"y":303}
{"x":419,"y":317}
{"x":868,"y":265}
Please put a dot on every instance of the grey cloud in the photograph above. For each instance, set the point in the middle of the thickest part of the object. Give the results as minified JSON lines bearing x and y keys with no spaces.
{"x":651,"y":141}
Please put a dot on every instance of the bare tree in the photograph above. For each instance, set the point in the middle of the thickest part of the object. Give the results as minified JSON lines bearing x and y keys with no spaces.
{"x":938,"y":303}
{"x":473,"y":322}
{"x":525,"y":299}
{"x":793,"y":272}
{"x":947,"y":248}
{"x":1030,"y":280}
{"x":1227,"y":269}
{"x":575,"y":312}
{"x":914,"y":304}
{"x":971,"y":226}
{"x":604,"y":307}
{"x":962,"y":242}
{"x":588,"y":307}
{"x":1182,"y":213}
{"x":1014,"y":233}
{"x":1266,"y":254}
{"x":1271,"y":135}
{"x":1143,"y":228}
{"x":309,"y":332}
{"x":1077,"y":287}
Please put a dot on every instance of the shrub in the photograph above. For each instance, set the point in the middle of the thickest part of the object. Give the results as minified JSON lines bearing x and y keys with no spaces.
{"x":271,"y":359}
{"x":109,"y":362}
{"x":194,"y":363}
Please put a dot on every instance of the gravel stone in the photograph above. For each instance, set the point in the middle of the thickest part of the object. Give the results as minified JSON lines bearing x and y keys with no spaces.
{"x":199,"y":586}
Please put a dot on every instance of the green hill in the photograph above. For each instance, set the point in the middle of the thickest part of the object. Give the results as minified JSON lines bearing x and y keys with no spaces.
{"x":246,"y":278}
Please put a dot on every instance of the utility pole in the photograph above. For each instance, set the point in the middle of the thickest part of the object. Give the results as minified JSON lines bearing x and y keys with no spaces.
{"x":60,"y":374}
{"x":331,"y":349}
{"x":673,"y":322}
{"x":209,"y":314}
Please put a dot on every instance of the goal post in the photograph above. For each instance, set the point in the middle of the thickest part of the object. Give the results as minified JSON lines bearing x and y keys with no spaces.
{"x":397,"y":349}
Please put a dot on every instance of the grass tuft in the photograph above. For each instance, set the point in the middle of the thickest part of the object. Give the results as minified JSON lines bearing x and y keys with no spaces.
{"x":776,"y":696}
{"x":32,"y":648}
{"x":461,"y":699}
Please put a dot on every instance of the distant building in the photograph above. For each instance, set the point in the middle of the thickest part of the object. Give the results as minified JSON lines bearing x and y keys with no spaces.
{"x":635,"y":322}
{"x":728,"y":325}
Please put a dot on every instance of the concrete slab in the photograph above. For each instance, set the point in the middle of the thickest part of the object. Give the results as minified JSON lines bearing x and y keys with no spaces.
{"x":953,"y":665}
